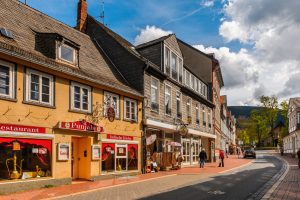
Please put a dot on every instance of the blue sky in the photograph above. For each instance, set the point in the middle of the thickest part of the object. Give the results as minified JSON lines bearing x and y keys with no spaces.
{"x":190,"y":20}
{"x":254,"y":40}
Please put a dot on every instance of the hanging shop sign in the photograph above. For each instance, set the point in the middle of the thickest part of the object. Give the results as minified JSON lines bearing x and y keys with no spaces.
{"x":183,"y":130}
{"x":22,"y":129}
{"x":96,"y":152}
{"x":63,"y":153}
{"x":81,"y":126}
{"x":119,"y":137}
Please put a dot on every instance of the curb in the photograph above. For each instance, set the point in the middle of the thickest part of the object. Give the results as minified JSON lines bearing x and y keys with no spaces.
{"x":268,"y":188}
{"x":273,"y":188}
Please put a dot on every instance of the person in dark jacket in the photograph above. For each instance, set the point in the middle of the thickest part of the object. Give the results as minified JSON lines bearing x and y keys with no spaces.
{"x":298,"y":154}
{"x":202,"y":158}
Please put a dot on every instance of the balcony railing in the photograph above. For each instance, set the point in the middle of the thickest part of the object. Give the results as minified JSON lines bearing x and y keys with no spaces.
{"x":154,"y":106}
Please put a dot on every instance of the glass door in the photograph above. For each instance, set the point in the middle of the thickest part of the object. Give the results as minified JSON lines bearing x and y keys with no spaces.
{"x":195,"y":151}
{"x":121,"y":157}
{"x":186,"y":151}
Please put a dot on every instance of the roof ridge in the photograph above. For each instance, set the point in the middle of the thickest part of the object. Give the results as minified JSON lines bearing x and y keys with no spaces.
{"x":48,"y":16}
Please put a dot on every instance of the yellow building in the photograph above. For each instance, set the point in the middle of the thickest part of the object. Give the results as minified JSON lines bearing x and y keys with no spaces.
{"x":65,"y":110}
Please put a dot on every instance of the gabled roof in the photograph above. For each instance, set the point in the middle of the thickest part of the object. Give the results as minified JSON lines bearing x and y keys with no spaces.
{"x":25,"y":21}
{"x":152,"y":42}
{"x":295,"y":101}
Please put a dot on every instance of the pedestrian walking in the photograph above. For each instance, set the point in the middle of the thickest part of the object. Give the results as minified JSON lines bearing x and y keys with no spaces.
{"x":202,"y":158}
{"x":238,"y":151}
{"x":222,"y":156}
{"x":226,"y":152}
{"x":298,"y":154}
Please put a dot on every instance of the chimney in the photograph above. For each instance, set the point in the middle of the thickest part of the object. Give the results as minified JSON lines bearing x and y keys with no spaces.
{"x":81,"y":15}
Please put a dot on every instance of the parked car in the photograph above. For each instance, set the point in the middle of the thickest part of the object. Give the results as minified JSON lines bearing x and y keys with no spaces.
{"x":250,"y":152}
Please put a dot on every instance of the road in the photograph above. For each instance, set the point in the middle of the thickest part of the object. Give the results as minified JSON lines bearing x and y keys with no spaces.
{"x":248,"y":182}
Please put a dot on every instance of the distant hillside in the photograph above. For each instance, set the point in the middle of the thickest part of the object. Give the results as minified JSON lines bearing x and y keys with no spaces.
{"x":242,"y":111}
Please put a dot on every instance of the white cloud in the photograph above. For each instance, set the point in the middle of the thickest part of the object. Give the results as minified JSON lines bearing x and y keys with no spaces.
{"x":150,"y":33}
{"x":208,"y":3}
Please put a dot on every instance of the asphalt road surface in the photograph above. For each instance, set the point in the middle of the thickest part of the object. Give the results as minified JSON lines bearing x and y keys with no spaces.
{"x":246,"y":183}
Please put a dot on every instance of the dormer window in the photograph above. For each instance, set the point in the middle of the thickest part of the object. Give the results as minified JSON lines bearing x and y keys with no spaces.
{"x":67,"y":53}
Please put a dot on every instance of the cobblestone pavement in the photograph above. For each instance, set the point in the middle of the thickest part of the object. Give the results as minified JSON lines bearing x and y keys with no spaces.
{"x":133,"y":186}
{"x":289,"y":187}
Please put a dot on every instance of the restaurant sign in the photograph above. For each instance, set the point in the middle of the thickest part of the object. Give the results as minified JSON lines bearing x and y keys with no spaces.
{"x":119,"y":137}
{"x":81,"y":126}
{"x":21,"y":129}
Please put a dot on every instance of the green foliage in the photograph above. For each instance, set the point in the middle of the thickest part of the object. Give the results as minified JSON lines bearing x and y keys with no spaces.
{"x":259,"y":126}
{"x":243,"y":135}
{"x":283,"y":112}
{"x":48,"y":186}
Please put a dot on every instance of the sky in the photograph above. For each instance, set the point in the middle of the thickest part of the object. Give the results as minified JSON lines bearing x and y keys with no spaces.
{"x":257,"y":42}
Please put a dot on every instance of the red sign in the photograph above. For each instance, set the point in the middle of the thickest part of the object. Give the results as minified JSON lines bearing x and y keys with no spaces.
{"x":81,"y":126}
{"x":119,"y":137}
{"x":23,"y":129}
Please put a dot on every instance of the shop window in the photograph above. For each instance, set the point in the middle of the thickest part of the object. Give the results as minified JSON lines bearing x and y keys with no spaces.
{"x":81,"y":97}
{"x":132,"y":156}
{"x":130,"y":112}
{"x":168,"y":100}
{"x":39,"y":87}
{"x":32,"y":158}
{"x":7,"y":82}
{"x":154,"y":94}
{"x":108,"y":157}
{"x":111,"y":100}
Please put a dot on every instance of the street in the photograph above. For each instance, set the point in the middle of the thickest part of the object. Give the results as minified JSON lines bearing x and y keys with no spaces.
{"x":244,"y":183}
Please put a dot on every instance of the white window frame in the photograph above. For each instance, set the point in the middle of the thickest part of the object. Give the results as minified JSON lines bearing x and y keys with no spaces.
{"x":204,"y":117}
{"x":130,"y":110}
{"x":157,"y":88}
{"x":176,"y":66}
{"x":198,"y":113}
{"x":180,"y":100}
{"x":12,"y":83}
{"x":165,"y":54}
{"x":117,"y":112}
{"x":68,"y":47}
{"x":180,"y":70}
{"x":81,"y":86}
{"x":209,"y":115}
{"x":28,"y":87}
{"x":189,"y":102}
{"x":166,"y":85}
{"x":298,"y":117}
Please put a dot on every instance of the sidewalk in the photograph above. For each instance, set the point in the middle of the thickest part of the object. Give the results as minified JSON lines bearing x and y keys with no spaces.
{"x":209,"y":170}
{"x":289,"y":188}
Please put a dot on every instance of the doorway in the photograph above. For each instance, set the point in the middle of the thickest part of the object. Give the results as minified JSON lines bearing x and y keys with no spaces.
{"x":80,"y":154}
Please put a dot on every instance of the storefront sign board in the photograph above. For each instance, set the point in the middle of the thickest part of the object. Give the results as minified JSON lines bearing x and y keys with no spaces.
{"x":22,"y":129}
{"x":119,"y":137}
{"x":81,"y":126}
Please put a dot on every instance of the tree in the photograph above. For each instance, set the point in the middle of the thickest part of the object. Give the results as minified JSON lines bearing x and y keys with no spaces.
{"x":243,"y":135}
{"x":269,"y":113}
{"x":259,"y":125}
{"x":283,"y":112}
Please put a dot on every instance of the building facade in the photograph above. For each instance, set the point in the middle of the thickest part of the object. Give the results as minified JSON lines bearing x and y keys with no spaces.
{"x":66,"y":112}
{"x":291,"y":143}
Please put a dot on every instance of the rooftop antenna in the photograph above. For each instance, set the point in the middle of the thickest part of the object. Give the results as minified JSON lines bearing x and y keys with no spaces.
{"x":102,"y":16}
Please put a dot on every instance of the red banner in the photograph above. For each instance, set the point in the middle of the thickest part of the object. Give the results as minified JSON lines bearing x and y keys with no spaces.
{"x":81,"y":126}
{"x":119,"y":137}
{"x":22,"y":129}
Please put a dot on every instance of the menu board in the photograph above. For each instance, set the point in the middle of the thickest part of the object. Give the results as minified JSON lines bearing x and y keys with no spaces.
{"x":96,"y":152}
{"x":63,"y":152}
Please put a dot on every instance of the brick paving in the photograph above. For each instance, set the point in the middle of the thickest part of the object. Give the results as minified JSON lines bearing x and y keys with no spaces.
{"x":289,"y":187}
{"x":161,"y":180}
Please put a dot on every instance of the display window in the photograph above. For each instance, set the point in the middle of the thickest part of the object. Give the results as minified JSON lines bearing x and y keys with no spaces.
{"x":132,"y":157}
{"x":119,"y":157}
{"x":25,"y":158}
{"x":108,"y":157}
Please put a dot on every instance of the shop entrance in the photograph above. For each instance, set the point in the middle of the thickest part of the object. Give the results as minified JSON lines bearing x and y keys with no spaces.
{"x":121,"y":157}
{"x":186,"y":151}
{"x":80,"y":158}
